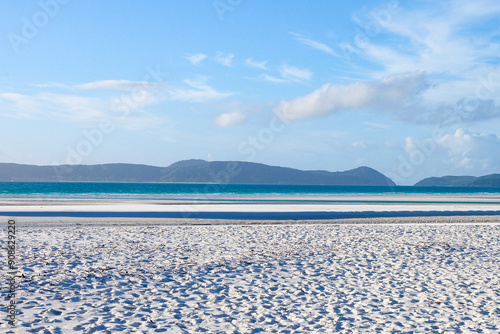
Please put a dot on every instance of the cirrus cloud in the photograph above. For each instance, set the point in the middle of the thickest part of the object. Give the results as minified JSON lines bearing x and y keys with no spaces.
{"x":295,"y":74}
{"x":314,"y":44}
{"x":257,"y":64}
{"x":196,"y":58}
{"x":198,"y":91}
{"x":120,"y":85}
{"x":225,"y":59}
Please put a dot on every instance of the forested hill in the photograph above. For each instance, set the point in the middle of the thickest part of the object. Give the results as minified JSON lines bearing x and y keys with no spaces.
{"x":492,"y":180}
{"x":201,"y":171}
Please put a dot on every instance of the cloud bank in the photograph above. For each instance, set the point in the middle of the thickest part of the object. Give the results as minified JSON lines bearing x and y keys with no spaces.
{"x":470,"y":152}
{"x":390,"y":93}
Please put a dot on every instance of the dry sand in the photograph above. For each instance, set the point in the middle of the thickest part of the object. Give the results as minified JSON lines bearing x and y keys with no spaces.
{"x":296,"y":277}
{"x":108,"y":274}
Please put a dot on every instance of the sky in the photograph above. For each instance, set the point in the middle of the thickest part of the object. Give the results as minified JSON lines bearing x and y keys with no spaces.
{"x":409,"y":88}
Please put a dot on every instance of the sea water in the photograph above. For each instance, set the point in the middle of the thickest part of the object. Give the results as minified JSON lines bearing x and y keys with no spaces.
{"x":202,"y":191}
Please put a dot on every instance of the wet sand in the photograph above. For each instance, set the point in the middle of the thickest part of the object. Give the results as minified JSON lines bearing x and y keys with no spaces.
{"x":370,"y":275}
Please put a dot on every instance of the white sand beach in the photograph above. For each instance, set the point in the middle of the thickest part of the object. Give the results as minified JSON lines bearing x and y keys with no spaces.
{"x":256,"y":208}
{"x":372,"y":275}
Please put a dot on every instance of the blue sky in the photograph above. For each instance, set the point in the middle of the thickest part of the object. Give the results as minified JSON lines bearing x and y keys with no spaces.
{"x":410,"y":88}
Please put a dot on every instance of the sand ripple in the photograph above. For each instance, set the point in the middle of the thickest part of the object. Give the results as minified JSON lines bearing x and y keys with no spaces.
{"x":249,"y":279}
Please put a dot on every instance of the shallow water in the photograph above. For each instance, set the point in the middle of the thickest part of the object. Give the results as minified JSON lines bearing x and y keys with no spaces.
{"x":200,"y":191}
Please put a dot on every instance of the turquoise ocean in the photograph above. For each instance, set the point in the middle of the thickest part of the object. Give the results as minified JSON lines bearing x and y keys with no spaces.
{"x":197,"y":191}
{"x":231,"y":193}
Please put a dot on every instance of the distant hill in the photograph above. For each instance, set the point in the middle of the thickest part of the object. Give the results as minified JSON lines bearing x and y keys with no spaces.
{"x":201,"y":171}
{"x":492,"y":180}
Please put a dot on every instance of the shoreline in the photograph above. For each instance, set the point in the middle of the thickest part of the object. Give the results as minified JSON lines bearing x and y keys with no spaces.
{"x":22,"y":222}
{"x":359,"y":274}
{"x":335,"y":210}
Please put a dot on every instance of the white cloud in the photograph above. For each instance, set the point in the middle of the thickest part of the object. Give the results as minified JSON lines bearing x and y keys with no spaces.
{"x":273,"y":79}
{"x":467,"y":152}
{"x":378,"y":125}
{"x":314,"y":44}
{"x":120,"y":85}
{"x":196,"y":58}
{"x":455,"y":42}
{"x":457,"y":153}
{"x":199,"y":91}
{"x":445,"y":37}
{"x":229,"y":119}
{"x":359,"y":144}
{"x":75,"y":108}
{"x":257,"y":64}
{"x":126,"y":110}
{"x":390,"y":93}
{"x":225,"y":59}
{"x":60,"y":106}
{"x":52,"y":85}
{"x":128,"y":107}
{"x":137,"y":100}
{"x":288,"y":74}
{"x":294,"y":73}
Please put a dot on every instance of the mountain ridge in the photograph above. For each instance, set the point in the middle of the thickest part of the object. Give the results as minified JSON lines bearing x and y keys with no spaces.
{"x":490,"y":180}
{"x":194,"y":170}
